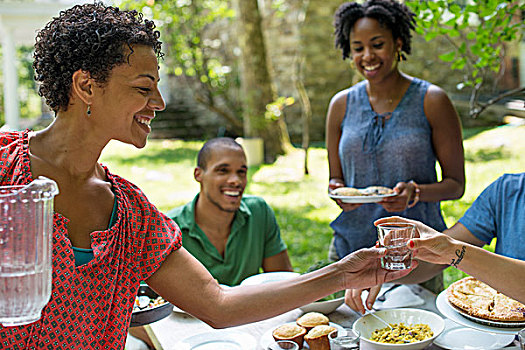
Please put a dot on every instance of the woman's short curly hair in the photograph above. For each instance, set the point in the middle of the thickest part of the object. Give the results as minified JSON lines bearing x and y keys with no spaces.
{"x":395,"y":16}
{"x":90,"y":37}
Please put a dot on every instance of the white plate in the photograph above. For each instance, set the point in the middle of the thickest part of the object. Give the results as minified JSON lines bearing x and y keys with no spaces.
{"x":268,"y":277}
{"x":458,"y":337}
{"x":218,"y":340}
{"x":267,"y":337}
{"x":362,"y":199}
{"x":447,"y":310}
{"x":325,"y":307}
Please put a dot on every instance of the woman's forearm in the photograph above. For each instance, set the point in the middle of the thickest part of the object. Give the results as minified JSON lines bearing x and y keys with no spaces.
{"x":194,"y":290}
{"x":501,"y":273}
{"x":240,"y":305}
{"x":446,"y":189}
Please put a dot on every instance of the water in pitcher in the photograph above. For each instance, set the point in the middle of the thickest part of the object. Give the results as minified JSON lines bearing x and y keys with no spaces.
{"x":24,"y":294}
{"x":26,"y":226}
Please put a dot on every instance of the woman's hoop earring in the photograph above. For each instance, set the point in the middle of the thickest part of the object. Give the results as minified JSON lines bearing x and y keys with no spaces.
{"x":88,"y":112}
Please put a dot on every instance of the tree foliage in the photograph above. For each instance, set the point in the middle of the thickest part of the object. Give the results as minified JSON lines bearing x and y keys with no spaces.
{"x":203,"y":49}
{"x":194,"y":54}
{"x":479,"y":32}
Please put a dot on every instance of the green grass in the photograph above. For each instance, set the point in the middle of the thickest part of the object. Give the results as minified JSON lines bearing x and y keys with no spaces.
{"x":164,"y":171}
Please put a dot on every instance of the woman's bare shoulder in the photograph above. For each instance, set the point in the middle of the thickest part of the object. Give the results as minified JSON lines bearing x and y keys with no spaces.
{"x":436,"y":95}
{"x":338,"y":101}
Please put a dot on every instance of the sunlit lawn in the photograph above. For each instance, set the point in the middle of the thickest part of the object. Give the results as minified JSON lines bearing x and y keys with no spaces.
{"x":164,"y":171}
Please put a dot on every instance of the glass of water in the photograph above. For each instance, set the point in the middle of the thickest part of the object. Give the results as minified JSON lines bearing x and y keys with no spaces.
{"x":394,"y":236}
{"x":344,"y":339}
{"x":521,"y":337}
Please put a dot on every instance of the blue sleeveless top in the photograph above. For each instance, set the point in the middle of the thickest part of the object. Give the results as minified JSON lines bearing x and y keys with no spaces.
{"x":383,"y":150}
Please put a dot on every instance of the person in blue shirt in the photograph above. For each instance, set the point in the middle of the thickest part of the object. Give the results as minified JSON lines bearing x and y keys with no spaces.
{"x":498,"y":212}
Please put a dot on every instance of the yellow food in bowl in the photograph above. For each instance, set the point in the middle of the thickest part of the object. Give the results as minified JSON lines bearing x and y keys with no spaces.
{"x":401,"y":334}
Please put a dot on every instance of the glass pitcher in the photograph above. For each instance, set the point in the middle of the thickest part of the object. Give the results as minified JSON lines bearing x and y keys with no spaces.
{"x":26,"y":231}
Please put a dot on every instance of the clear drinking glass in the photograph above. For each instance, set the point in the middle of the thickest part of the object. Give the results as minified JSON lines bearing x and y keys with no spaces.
{"x":344,"y":339}
{"x":26,"y":226}
{"x":394,"y":236}
{"x":283,"y":344}
{"x":521,"y":337}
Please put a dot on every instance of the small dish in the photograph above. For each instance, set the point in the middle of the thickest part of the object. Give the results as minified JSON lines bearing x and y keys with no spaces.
{"x":325,"y":307}
{"x":149,"y":315}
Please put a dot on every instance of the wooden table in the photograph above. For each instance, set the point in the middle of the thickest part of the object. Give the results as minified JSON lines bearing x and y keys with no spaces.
{"x":178,"y":325}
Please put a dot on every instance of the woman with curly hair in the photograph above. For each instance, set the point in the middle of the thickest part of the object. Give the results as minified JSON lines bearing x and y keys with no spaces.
{"x":98,"y":70}
{"x":388,"y":130}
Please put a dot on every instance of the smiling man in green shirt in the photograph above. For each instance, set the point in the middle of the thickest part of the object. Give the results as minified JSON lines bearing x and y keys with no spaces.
{"x":232,"y":235}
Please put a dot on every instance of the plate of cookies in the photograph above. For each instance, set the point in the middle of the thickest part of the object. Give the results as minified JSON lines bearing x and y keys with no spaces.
{"x":310,"y":331}
{"x":371,"y":194}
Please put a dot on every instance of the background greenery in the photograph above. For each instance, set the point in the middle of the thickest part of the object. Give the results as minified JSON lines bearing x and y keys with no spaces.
{"x":164,"y":171}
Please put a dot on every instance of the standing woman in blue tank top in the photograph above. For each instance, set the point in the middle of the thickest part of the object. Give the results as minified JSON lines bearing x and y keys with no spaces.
{"x":388,"y":130}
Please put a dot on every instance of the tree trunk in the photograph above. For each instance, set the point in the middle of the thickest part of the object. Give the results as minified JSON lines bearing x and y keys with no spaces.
{"x":257,"y":84}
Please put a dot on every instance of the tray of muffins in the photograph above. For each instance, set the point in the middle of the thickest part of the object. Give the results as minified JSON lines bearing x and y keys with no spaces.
{"x":310,"y":331}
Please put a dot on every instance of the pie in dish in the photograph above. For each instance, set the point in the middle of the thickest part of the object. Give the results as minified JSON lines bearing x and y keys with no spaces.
{"x":480,"y":300}
{"x":347,"y":191}
{"x":369,"y":191}
{"x":376,"y":191}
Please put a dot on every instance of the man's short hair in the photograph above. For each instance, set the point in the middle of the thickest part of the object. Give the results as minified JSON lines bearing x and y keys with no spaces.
{"x":207,"y":149}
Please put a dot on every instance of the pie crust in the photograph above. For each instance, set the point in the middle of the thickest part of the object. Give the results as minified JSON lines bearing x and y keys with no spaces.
{"x":480,"y":300}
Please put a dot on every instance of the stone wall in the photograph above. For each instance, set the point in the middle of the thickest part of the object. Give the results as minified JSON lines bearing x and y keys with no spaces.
{"x":293,"y":35}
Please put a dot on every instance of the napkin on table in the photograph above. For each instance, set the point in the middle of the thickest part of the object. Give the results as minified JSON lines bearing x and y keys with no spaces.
{"x":402,"y":296}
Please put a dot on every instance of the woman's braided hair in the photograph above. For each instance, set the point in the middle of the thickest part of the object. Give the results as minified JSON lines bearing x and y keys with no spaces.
{"x":90,"y":37}
{"x":395,"y":16}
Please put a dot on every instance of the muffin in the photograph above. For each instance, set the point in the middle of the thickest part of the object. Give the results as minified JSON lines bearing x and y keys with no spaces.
{"x":346,"y":191}
{"x":317,"y":337}
{"x":312,"y":319}
{"x":291,"y":332}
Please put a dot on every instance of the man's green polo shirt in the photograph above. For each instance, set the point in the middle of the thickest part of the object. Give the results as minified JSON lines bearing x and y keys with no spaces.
{"x":254,"y":236}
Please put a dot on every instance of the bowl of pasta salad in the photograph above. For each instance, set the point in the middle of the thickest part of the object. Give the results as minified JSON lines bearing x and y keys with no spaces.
{"x":412,"y":329}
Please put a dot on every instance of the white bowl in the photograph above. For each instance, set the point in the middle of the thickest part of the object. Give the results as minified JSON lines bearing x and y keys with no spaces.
{"x":368,"y":323}
{"x":324,"y":307}
{"x":266,"y":277}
